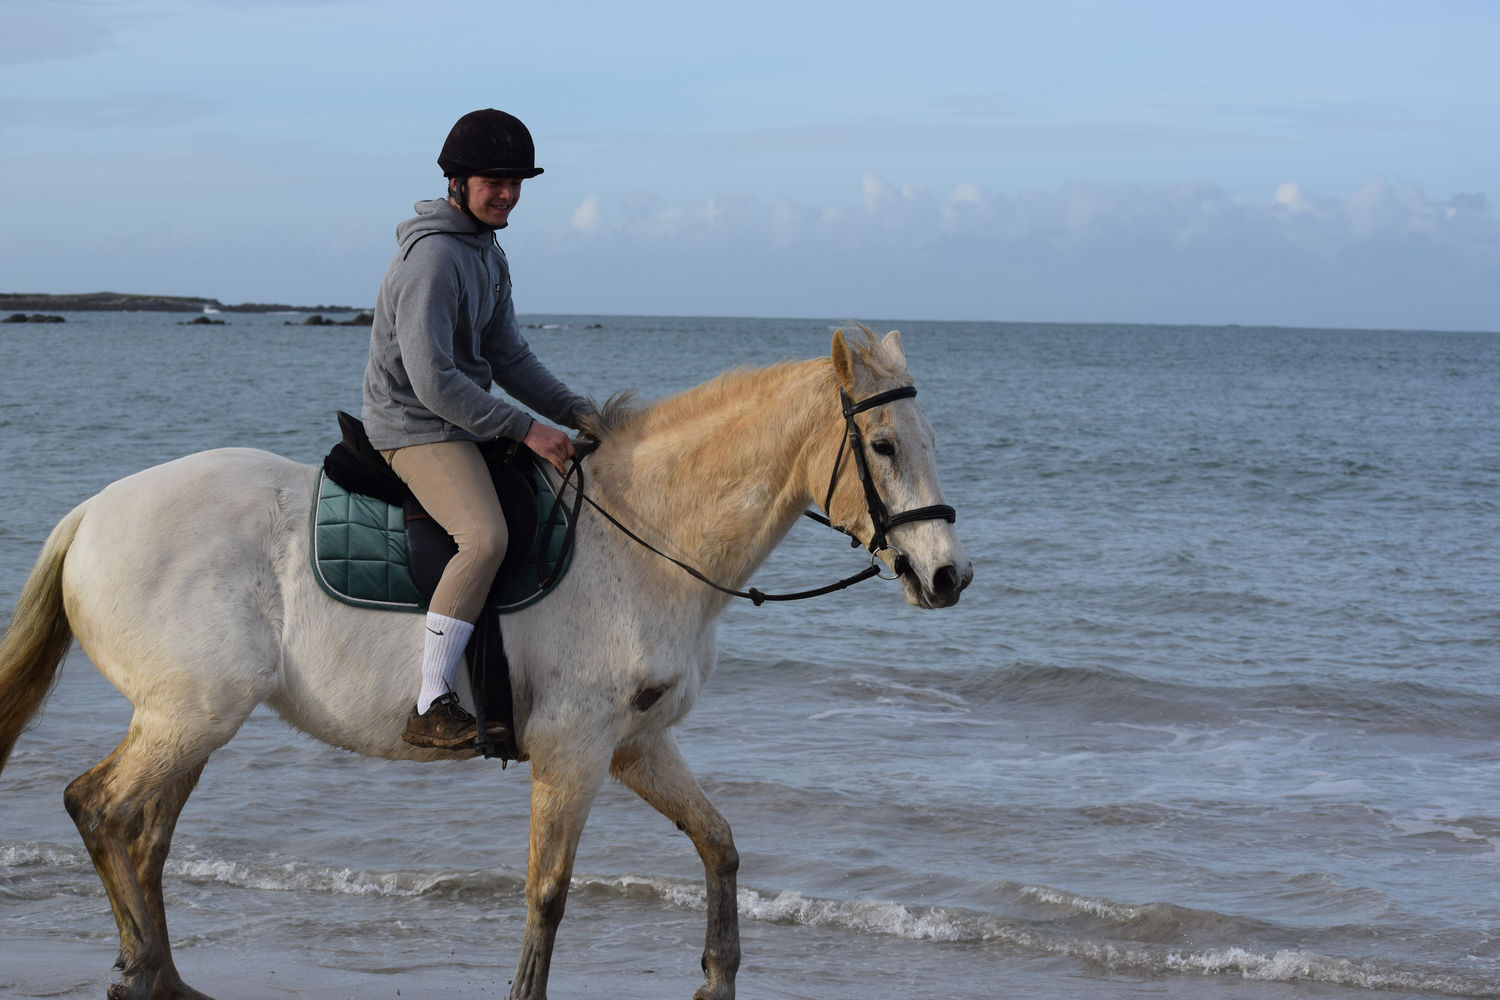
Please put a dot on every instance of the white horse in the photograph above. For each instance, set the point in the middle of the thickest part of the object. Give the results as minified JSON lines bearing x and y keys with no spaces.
{"x":189,"y":587}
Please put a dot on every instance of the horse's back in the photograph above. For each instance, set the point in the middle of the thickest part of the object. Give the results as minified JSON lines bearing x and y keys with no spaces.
{"x":196,"y":510}
{"x":195,"y":476}
{"x":179,"y":566}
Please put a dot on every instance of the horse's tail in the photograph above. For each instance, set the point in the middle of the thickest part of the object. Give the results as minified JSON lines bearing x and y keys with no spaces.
{"x":37,"y":639}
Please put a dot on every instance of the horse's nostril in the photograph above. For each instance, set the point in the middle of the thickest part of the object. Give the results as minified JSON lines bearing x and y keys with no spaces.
{"x":945,"y":581}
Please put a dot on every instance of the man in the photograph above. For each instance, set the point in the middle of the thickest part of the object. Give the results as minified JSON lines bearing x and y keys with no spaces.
{"x":444,"y":331}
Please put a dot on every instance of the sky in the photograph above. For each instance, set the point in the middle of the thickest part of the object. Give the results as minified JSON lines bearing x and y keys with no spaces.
{"x":1314,"y":163}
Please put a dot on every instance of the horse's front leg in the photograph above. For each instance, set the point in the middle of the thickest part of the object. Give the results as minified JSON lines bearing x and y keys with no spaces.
{"x":561,"y":794}
{"x":657,"y":772}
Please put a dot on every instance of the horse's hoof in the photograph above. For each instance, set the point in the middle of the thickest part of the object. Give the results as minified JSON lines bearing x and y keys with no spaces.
{"x":173,"y":988}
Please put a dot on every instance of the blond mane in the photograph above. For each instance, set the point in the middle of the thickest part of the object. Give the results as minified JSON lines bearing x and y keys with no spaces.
{"x":623,"y":416}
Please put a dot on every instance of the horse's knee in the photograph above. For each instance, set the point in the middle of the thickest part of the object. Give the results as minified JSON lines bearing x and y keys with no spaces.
{"x":726,"y":863}
{"x":548,"y":901}
{"x":716,"y":846}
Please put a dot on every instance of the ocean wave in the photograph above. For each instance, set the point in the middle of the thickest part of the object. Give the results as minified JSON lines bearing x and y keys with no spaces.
{"x":1111,"y":692}
{"x":295,"y":876}
{"x":300,"y":877}
{"x":937,"y":698}
{"x":32,"y":854}
{"x":1120,"y":937}
{"x":1305,"y":966}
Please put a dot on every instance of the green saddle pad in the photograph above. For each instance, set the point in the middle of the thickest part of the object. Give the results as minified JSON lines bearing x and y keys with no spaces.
{"x":359,"y":550}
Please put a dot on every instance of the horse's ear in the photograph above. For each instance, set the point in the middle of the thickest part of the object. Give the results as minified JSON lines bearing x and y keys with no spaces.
{"x":843,"y":361}
{"x":891,"y":347}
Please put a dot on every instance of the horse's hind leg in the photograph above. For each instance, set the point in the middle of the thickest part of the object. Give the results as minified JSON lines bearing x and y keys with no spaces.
{"x":149,"y":853}
{"x":656,"y":771}
{"x":125,"y":808}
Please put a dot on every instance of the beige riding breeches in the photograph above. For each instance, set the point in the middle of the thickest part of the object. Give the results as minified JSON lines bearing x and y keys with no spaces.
{"x":451,"y":481}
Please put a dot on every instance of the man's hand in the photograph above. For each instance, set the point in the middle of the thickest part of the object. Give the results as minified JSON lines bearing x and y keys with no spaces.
{"x":549,"y":443}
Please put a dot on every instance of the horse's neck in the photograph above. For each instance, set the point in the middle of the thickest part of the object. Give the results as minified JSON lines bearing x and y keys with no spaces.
{"x":717,"y":476}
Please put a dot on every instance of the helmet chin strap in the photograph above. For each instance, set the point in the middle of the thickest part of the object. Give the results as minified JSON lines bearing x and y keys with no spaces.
{"x":458,"y":193}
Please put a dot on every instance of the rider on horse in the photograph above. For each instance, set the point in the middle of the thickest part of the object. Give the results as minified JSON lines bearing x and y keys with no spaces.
{"x":444,"y":332}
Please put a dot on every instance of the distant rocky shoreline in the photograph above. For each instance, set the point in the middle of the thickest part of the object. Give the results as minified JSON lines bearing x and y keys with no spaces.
{"x":122,"y":302}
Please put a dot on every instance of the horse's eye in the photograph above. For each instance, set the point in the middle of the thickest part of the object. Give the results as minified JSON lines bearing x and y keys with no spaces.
{"x":883,"y":447}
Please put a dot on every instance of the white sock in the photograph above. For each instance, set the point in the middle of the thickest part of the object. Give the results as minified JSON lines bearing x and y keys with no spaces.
{"x":444,"y":647}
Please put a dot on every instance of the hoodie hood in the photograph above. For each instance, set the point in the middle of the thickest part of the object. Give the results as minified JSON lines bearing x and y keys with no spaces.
{"x":439,"y":216}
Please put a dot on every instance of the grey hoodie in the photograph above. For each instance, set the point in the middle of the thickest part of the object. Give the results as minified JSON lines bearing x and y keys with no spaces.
{"x":445,"y":330}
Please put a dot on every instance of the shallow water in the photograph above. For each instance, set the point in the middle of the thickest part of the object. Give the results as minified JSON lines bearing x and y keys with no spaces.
{"x":1215,"y":718}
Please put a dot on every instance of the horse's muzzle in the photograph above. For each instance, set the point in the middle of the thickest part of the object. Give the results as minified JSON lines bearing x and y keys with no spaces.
{"x":948,"y":582}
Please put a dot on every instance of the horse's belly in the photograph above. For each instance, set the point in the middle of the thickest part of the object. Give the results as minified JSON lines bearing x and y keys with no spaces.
{"x":349,"y":676}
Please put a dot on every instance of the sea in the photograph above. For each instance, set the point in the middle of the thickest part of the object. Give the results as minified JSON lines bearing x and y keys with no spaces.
{"x":1218,"y":717}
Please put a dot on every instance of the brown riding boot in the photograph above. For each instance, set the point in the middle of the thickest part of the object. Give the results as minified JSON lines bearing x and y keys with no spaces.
{"x":446,"y":726}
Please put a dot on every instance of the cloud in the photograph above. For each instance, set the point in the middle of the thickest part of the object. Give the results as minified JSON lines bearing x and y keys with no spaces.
{"x":1384,"y":255}
{"x":586,"y":215}
{"x":1289,"y":196}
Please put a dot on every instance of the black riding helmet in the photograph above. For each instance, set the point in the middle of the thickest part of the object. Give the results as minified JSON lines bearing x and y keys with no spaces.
{"x":489,"y":143}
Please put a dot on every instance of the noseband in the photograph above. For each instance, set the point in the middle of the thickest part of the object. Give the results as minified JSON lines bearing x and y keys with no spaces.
{"x":881,"y":519}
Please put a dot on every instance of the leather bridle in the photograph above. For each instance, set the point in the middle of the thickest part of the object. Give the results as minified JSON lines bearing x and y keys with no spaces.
{"x":881,"y":519}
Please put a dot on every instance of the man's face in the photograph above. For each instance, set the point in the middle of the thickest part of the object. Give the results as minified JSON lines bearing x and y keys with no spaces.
{"x":492,"y":198}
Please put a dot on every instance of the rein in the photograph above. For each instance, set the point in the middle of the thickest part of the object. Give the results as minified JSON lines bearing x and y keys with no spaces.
{"x":880,"y":518}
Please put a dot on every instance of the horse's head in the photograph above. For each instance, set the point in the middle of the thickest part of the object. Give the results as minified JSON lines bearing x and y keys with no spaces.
{"x":884,"y":489}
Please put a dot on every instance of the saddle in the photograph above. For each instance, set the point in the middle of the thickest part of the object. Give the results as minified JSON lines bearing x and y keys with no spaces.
{"x":375,"y":547}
